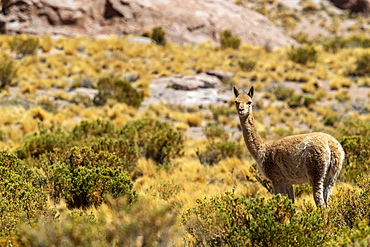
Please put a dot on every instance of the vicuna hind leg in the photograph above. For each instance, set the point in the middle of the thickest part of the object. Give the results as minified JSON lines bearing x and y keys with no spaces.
{"x":318,"y":192}
{"x":284,"y":189}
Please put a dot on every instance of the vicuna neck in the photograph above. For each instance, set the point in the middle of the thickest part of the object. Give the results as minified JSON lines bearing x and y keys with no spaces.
{"x":251,"y":138}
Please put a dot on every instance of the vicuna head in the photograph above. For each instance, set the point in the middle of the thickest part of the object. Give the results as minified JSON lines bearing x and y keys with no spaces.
{"x":243,"y":101}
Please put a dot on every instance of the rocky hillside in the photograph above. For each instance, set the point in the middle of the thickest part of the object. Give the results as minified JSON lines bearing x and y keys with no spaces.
{"x":184,"y":21}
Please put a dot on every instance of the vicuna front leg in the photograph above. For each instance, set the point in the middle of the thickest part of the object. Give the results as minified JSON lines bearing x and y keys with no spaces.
{"x":284,"y":189}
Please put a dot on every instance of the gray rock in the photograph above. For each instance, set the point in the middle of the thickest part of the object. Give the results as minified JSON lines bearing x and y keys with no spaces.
{"x":161,"y":92}
{"x":222,"y":75}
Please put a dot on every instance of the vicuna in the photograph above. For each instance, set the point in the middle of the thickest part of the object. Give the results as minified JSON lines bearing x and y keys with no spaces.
{"x":314,"y":158}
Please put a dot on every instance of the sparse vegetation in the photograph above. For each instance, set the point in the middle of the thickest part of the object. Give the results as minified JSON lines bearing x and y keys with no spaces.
{"x":282,"y":93}
{"x":362,"y":66}
{"x":246,"y":65}
{"x":300,"y":100}
{"x":158,"y":35}
{"x":24,"y":45}
{"x":303,"y":55}
{"x":218,"y":146}
{"x":117,"y":89}
{"x":157,"y":140}
{"x":8,"y":72}
{"x":228,"y":40}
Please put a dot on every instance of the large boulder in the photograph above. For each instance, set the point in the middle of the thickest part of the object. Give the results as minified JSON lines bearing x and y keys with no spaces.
{"x":193,"y":21}
{"x":356,"y":6}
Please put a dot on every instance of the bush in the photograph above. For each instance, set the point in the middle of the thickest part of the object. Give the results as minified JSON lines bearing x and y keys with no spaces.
{"x":247,"y":65}
{"x":228,"y":220}
{"x":354,"y":127}
{"x":303,"y":55}
{"x":21,"y":195}
{"x":43,"y":142}
{"x":159,"y":36}
{"x":336,"y":43}
{"x":144,"y":223}
{"x":156,"y":140}
{"x":83,"y":177}
{"x":351,"y":205}
{"x":357,"y":154}
{"x":120,"y":90}
{"x":94,"y":129}
{"x":127,"y":151}
{"x":228,"y":40}
{"x":71,"y":228}
{"x":218,"y":111}
{"x":300,"y":100}
{"x":331,"y":119}
{"x":218,"y":147}
{"x":24,"y":46}
{"x":7,"y":72}
{"x":362,"y":66}
{"x":282,"y":93}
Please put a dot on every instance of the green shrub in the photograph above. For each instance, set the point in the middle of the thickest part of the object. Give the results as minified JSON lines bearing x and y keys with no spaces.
{"x":7,"y":72}
{"x":228,"y":220}
{"x":247,"y":65}
{"x":42,"y":142}
{"x":218,"y":147}
{"x":215,"y":133}
{"x":21,"y":195}
{"x":96,"y":128}
{"x":330,"y":119}
{"x":24,"y":46}
{"x":357,"y":153}
{"x":303,"y":55}
{"x":158,"y":35}
{"x":127,"y":151}
{"x":357,"y":41}
{"x":144,"y":223}
{"x":228,"y":40}
{"x":117,"y":89}
{"x":71,"y":228}
{"x":282,"y":93}
{"x":84,"y":177}
{"x":362,"y":66}
{"x":353,"y":127}
{"x":334,"y":44}
{"x":218,"y":111}
{"x":350,"y":205}
{"x":300,"y":100}
{"x":356,"y":236}
{"x":157,"y":140}
{"x":337,"y":42}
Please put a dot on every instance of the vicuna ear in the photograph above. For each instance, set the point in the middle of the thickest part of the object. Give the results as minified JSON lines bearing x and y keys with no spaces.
{"x":236,"y":92}
{"x":251,"y":92}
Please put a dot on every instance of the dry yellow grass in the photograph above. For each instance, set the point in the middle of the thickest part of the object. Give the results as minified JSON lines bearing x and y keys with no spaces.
{"x":64,"y":61}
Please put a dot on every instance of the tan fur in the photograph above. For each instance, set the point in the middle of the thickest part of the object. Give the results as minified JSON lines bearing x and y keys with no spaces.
{"x":314,"y":158}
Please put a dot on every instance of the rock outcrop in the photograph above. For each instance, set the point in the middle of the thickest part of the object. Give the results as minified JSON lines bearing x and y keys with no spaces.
{"x":198,"y":90}
{"x":356,"y":6}
{"x":193,"y":21}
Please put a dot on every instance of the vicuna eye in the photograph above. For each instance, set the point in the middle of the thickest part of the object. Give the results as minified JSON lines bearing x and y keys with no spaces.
{"x":249,"y":103}
{"x":236,"y":102}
